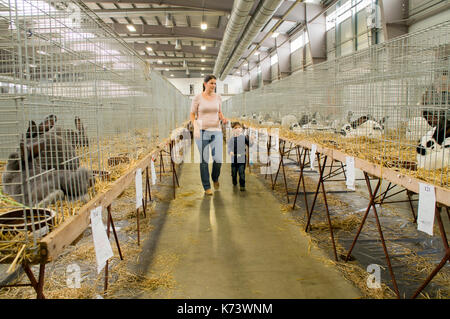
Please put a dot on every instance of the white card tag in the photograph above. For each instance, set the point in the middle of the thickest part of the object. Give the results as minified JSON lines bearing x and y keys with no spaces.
{"x":138,"y":183}
{"x":152,"y":169}
{"x":427,"y":203}
{"x":312,"y":155}
{"x":103,"y":250}
{"x":350,"y":181}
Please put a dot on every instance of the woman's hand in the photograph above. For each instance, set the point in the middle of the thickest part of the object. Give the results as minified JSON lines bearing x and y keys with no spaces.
{"x":196,"y":132}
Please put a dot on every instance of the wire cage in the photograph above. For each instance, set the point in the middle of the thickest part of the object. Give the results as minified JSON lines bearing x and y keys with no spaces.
{"x":78,"y":107}
{"x":388,"y":104}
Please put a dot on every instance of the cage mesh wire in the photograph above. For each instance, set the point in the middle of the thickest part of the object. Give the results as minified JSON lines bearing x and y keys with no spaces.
{"x":382,"y":104}
{"x":73,"y":96}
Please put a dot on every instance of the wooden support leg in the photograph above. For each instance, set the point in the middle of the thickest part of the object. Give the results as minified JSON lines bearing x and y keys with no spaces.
{"x":38,"y":285}
{"x":380,"y":232}
{"x":408,"y":193}
{"x":138,"y":229}
{"x":321,"y":185}
{"x":302,"y":179}
{"x":110,"y":223}
{"x":444,"y":260}
{"x":284,"y":173}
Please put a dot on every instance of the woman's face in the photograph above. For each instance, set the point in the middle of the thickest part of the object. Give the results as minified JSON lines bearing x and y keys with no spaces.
{"x":210,"y":86}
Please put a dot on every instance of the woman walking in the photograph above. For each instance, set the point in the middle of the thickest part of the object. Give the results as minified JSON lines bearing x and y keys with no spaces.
{"x":207,"y":107}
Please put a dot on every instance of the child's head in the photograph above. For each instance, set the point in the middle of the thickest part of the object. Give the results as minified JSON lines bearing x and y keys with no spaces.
{"x":236,"y":125}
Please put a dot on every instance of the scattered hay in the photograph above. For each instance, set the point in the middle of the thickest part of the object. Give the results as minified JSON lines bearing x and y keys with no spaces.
{"x":345,"y":223}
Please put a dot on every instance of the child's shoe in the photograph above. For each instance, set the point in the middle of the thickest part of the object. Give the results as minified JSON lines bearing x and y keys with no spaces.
{"x":242,"y":188}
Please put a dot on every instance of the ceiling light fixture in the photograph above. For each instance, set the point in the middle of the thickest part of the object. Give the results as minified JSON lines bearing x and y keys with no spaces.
{"x":203,"y":25}
{"x":203,"y":60}
{"x":203,"y":47}
{"x":275,"y":34}
{"x":159,"y":61}
{"x":131,"y":28}
{"x":149,"y":49}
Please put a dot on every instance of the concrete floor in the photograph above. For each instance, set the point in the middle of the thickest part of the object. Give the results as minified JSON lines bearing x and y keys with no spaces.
{"x":237,"y":245}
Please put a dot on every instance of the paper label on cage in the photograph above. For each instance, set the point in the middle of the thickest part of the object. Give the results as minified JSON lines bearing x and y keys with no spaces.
{"x":138,"y":183}
{"x":312,"y":155}
{"x":103,"y":250}
{"x":253,"y":149}
{"x":427,"y":203}
{"x":350,"y":181}
{"x":152,"y":169}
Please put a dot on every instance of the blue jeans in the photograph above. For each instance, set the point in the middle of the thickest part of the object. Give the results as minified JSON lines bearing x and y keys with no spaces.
{"x":207,"y":140}
{"x":235,"y":169}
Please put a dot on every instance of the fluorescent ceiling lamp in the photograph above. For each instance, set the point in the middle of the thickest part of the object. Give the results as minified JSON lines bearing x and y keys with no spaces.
{"x":203,"y":47}
{"x":131,"y":28}
{"x":167,"y":70}
{"x":203,"y":69}
{"x":171,"y":75}
{"x":203,"y":74}
{"x":203,"y":60}
{"x":257,"y":53}
{"x":203,"y":26}
{"x":275,"y":34}
{"x":149,"y":48}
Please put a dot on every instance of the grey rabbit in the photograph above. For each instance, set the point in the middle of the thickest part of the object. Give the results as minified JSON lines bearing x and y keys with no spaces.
{"x":57,"y":152}
{"x":76,"y":137}
{"x":26,"y":182}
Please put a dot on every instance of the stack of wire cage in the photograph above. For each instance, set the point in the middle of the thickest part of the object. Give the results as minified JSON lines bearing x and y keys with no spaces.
{"x":388,"y":104}
{"x":78,"y":106}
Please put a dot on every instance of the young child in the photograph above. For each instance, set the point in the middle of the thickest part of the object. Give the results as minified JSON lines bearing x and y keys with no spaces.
{"x":237,"y":150}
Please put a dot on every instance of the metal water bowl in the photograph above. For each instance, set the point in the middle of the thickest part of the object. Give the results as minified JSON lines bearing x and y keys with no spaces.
{"x":20,"y":220}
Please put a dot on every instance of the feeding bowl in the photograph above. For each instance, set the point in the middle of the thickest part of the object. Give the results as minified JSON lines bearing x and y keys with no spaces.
{"x":19,"y":220}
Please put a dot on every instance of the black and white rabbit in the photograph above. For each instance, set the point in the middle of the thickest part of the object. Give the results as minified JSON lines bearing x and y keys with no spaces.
{"x":363,"y":126}
{"x":28,"y":183}
{"x":433,"y":152}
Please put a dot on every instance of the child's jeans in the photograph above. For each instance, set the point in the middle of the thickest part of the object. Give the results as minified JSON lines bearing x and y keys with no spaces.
{"x":235,"y":169}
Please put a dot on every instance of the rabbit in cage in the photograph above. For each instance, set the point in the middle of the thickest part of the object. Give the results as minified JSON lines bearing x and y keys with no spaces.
{"x":363,"y":126}
{"x":288,"y":120}
{"x":57,"y":152}
{"x":76,"y":137}
{"x":26,"y":182}
{"x":433,"y":152}
{"x":416,"y":128}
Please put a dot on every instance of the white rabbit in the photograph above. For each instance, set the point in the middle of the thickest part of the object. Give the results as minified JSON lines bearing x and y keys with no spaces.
{"x":288,"y":120}
{"x":416,"y":128}
{"x":363,"y":126}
